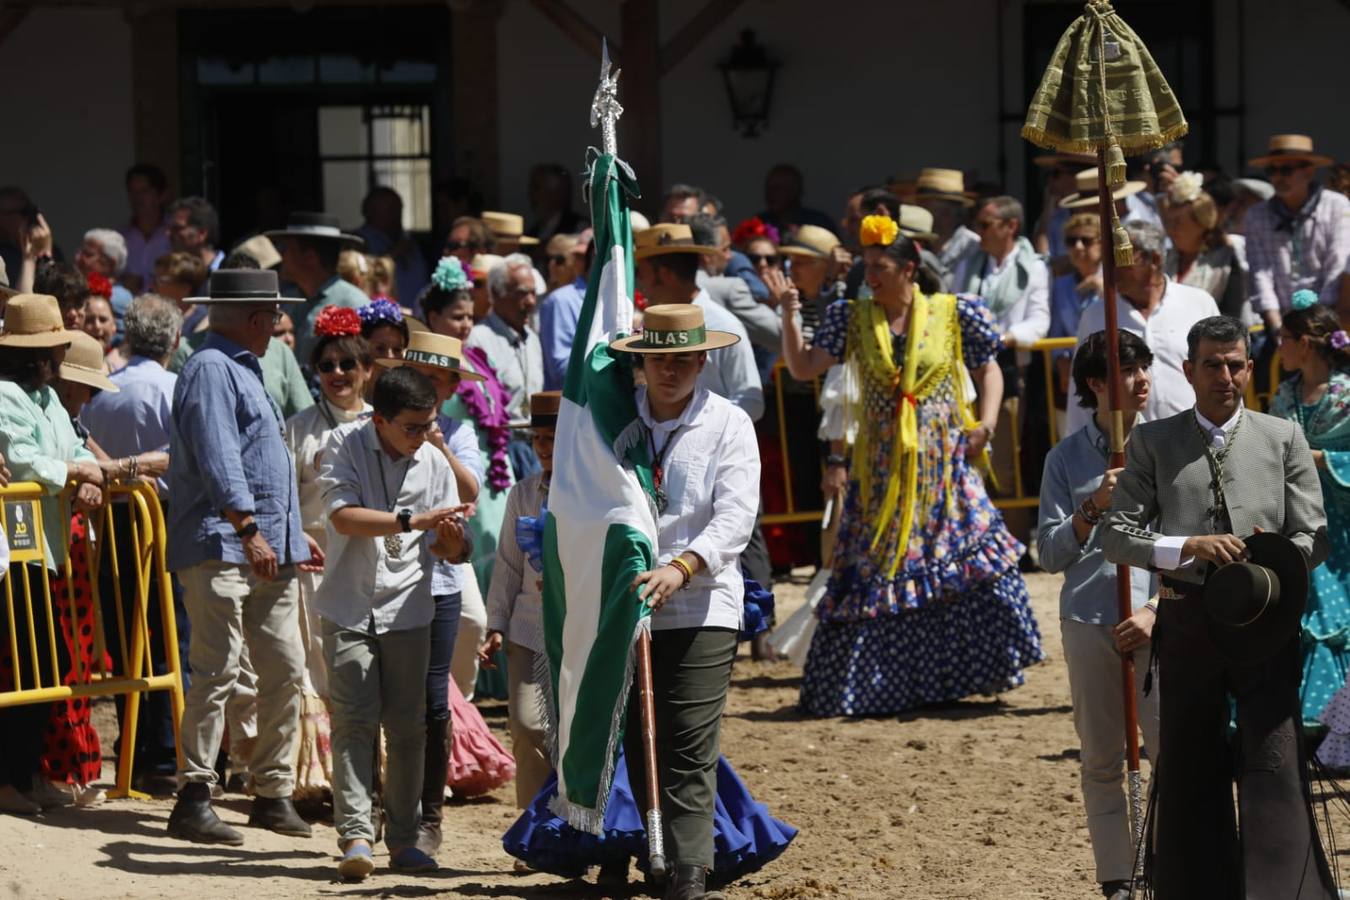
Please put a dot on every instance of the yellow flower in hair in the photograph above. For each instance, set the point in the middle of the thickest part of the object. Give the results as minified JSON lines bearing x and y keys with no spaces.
{"x":878,"y":231}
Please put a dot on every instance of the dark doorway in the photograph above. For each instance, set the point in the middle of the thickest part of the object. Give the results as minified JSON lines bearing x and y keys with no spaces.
{"x":285,"y":110}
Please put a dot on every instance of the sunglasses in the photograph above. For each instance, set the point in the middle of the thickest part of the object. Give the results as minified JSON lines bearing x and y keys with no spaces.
{"x":455,"y":246}
{"x":329,"y":366}
{"x":765,"y":258}
{"x":1285,"y":170}
{"x":1079,"y":240}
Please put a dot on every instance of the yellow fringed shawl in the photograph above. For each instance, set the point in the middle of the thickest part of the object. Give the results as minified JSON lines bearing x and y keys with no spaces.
{"x":932,"y":359}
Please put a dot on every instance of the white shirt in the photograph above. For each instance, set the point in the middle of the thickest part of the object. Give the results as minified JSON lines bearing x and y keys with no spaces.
{"x":515,"y":605}
{"x":731,"y":371}
{"x":1028,"y":319}
{"x":1165,"y":333}
{"x":711,"y":476}
{"x":1167,"y":549}
{"x":364,"y":587}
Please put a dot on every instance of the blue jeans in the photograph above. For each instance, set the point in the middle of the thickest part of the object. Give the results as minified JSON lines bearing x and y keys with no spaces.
{"x":444,"y":630}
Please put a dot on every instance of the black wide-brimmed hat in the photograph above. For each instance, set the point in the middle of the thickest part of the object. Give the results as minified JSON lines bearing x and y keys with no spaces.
{"x":1255,"y":606}
{"x":243,"y":286}
{"x":316,"y":226}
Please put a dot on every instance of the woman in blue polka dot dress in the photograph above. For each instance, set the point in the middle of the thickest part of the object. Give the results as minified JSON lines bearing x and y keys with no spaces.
{"x":1313,"y":346}
{"x":925,"y":603}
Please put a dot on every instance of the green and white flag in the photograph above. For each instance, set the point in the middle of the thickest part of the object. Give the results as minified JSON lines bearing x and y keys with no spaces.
{"x":601,"y":528}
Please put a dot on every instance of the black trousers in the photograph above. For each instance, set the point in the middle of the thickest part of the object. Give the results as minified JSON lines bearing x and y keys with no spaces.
{"x":1268,"y":849}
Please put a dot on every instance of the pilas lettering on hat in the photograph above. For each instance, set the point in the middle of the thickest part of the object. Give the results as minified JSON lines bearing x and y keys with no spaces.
{"x":674,"y":328}
{"x":316,"y":226}
{"x":435,"y":351}
{"x":243,"y":286}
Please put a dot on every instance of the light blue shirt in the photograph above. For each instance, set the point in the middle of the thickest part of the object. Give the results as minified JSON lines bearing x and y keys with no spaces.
{"x":1073,"y":470}
{"x":333,"y":292}
{"x":227,"y":452}
{"x":558,"y":316}
{"x":137,"y":418}
{"x":462,"y":441}
{"x":731,"y":371}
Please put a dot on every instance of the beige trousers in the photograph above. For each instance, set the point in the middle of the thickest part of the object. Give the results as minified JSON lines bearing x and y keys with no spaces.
{"x":529,"y":737}
{"x":472,"y":633}
{"x":230,"y":609}
{"x":1099,"y":719}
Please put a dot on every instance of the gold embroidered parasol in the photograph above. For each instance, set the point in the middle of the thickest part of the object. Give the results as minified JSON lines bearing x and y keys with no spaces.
{"x":1103,"y":93}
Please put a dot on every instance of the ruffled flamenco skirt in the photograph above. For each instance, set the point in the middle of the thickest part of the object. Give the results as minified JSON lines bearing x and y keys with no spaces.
{"x":745,"y":837}
{"x":478,"y":761}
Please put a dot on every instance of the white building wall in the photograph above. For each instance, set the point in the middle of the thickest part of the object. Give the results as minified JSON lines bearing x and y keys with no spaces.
{"x":68,"y":107}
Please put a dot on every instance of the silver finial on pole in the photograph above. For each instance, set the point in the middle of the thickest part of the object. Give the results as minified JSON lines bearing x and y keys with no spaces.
{"x":605,"y":108}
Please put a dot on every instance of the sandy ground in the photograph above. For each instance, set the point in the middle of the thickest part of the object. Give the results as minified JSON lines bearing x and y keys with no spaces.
{"x":979,"y":800}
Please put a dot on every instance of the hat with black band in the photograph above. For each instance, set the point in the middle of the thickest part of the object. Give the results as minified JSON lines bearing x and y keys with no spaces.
{"x":243,"y":286}
{"x":544,"y":407}
{"x":434,"y":351}
{"x":316,"y":226}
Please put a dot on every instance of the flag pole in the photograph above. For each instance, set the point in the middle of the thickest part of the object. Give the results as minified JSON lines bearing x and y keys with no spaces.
{"x":1124,"y":604}
{"x":605,"y":112}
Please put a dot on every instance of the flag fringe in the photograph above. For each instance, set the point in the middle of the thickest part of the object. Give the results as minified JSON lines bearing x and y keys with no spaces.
{"x":592,"y":821}
{"x":546,"y":704}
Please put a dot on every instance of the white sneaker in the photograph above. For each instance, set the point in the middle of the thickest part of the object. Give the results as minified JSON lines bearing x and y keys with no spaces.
{"x":89,"y":795}
{"x":48,"y":796}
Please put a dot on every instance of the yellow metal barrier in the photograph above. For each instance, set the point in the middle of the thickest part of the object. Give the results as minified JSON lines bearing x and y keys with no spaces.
{"x":20,"y":516}
{"x":1018,"y":499}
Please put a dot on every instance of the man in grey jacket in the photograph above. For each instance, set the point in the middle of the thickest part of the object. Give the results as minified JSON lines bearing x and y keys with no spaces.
{"x":1182,"y":473}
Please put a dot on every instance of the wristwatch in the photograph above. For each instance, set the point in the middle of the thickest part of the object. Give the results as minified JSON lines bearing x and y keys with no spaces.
{"x":405,"y":520}
{"x":836,"y":459}
{"x":247,"y":531}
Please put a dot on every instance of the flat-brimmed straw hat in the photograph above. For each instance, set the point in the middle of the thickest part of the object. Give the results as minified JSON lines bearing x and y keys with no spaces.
{"x":34,"y":320}
{"x":916,"y":223}
{"x":436,"y":351}
{"x":243,"y":286}
{"x":507,"y":226}
{"x":86,"y":364}
{"x":943,"y":184}
{"x":544,"y":408}
{"x":674,"y":328}
{"x":316,"y":226}
{"x":1086,"y":195}
{"x":666,"y":238}
{"x":812,"y":241}
{"x":1290,"y":148}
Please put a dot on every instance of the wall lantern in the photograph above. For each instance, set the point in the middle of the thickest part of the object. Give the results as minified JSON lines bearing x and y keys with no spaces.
{"x":749,"y":73}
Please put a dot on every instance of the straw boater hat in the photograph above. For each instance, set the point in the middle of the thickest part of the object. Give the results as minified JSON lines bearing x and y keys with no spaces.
{"x":243,"y":286}
{"x":916,"y":223}
{"x":1290,"y":148}
{"x":261,"y":248}
{"x":316,"y":225}
{"x":544,"y":408}
{"x":674,"y":328}
{"x":666,"y":238}
{"x":811,"y":241}
{"x":436,"y":351}
{"x":507,"y":226}
{"x":86,"y":364}
{"x":1255,"y":605}
{"x":1086,"y":195}
{"x":943,"y":184}
{"x":1052,"y":160}
{"x":34,"y":320}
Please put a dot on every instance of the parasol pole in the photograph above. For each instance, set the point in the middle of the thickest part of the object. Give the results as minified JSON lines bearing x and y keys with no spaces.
{"x":605,"y":112}
{"x":1125,"y":607}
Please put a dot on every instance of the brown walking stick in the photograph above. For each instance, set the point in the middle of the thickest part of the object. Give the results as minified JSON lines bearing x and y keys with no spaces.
{"x":656,"y":839}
